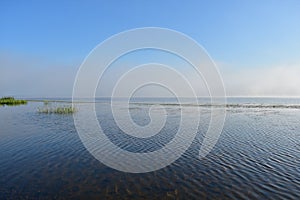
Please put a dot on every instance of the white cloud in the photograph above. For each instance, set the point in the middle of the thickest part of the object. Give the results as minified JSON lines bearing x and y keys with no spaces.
{"x":281,"y":80}
{"x":20,"y":76}
{"x":30,"y":77}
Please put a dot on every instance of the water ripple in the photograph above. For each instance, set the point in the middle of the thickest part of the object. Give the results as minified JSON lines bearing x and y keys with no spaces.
{"x":257,"y":157}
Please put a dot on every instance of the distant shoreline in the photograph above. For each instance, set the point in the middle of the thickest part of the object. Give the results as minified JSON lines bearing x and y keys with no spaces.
{"x":228,"y":105}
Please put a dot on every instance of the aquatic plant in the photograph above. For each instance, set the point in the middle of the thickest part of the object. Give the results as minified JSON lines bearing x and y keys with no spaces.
{"x":46,"y":102}
{"x":58,"y":110}
{"x":11,"y":101}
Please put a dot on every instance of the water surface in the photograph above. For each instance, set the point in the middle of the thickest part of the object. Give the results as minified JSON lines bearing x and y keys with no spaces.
{"x":256,"y":157}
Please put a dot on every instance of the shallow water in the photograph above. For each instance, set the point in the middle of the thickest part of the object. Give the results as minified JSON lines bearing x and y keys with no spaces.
{"x":257,"y":156}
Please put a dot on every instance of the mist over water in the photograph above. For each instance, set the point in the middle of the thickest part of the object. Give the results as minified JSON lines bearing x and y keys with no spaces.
{"x":257,"y":155}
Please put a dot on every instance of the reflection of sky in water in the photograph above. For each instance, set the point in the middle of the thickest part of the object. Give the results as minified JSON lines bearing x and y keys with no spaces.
{"x":257,"y":156}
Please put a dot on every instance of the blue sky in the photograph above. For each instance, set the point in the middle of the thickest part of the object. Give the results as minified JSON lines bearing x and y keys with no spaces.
{"x":242,"y":36}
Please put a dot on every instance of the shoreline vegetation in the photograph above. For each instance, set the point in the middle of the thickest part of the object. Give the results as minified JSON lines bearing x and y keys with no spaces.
{"x":204,"y":105}
{"x":226,"y":105}
{"x":11,"y":101}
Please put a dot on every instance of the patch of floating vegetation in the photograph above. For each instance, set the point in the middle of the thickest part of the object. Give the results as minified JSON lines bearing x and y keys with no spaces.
{"x":11,"y":101}
{"x":46,"y":102}
{"x":290,"y":106}
{"x":58,"y":110}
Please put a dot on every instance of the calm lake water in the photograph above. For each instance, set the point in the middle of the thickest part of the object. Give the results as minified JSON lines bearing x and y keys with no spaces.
{"x":257,"y":155}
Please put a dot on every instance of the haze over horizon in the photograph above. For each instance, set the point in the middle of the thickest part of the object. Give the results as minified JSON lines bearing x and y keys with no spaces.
{"x":254,"y":44}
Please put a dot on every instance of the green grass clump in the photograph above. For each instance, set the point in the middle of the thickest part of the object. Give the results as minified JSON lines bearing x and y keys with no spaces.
{"x":58,"y":110}
{"x":46,"y":102}
{"x":11,"y":101}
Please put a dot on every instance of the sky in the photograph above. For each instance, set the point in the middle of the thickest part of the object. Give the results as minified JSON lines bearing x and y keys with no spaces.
{"x":255,"y":44}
